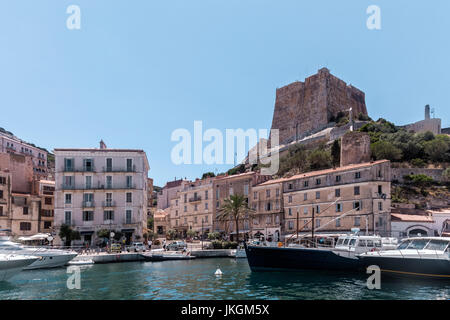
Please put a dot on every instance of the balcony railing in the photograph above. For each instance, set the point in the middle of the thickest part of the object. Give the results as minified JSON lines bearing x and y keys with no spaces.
{"x":99,"y":187}
{"x":88,"y":204}
{"x":120,"y":169}
{"x":109,"y":203}
{"x":195,"y":199}
{"x":82,"y":169}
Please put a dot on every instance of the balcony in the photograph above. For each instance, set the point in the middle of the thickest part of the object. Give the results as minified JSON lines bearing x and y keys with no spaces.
{"x":88,"y":204}
{"x":82,"y":169}
{"x":195,"y":199}
{"x":109,"y":204}
{"x":98,"y":187}
{"x":120,"y":169}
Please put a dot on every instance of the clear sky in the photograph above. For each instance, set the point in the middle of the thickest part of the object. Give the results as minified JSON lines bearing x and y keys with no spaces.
{"x":137,"y":70}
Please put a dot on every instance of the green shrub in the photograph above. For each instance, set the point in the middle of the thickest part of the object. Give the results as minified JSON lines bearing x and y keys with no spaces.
{"x":419,"y":163}
{"x":216,"y":244}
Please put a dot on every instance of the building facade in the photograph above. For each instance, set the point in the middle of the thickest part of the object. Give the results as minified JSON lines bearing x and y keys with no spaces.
{"x":98,"y":189}
{"x":337,"y":200}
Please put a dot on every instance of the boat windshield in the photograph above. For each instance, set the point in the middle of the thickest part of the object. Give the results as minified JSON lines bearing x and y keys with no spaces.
{"x":346,"y":241}
{"x":439,"y":245}
{"x":352,"y":242}
{"x":377,"y":243}
{"x":418,"y":244}
{"x":403,"y":245}
{"x":361,"y":243}
{"x":339,"y":242}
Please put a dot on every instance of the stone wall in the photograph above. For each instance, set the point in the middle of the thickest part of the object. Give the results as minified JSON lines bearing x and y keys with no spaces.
{"x":432,"y":125}
{"x":21,"y":168}
{"x":306,"y":106}
{"x":355,"y":148}
{"x":399,"y":173}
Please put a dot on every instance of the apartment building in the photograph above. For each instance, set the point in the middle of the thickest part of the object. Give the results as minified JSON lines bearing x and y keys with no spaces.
{"x":353,"y":196}
{"x":161,"y":222}
{"x":267,"y":210}
{"x":13,"y":145}
{"x":192,"y":209}
{"x":102,"y":189}
{"x":224,"y":187}
{"x":5,"y":192}
{"x":24,"y":214}
{"x":170,"y":192}
{"x":46,"y":192}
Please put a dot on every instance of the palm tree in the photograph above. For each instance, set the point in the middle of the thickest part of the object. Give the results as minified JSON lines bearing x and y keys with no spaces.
{"x":68,"y":234}
{"x":234,"y":208}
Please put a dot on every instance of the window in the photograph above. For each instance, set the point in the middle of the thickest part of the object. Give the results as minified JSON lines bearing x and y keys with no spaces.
{"x":337,"y":193}
{"x":338,"y":207}
{"x":380,"y":189}
{"x":25,"y":226}
{"x":317,"y":194}
{"x":317,"y":223}
{"x":128,"y":216}
{"x":25,"y":210}
{"x":338,"y":222}
{"x":68,"y":198}
{"x":277,"y":192}
{"x":357,"y":175}
{"x":306,"y":183}
{"x":1,"y":194}
{"x":291,"y":225}
{"x":317,"y":209}
{"x":68,"y":181}
{"x":1,"y":210}
{"x":217,"y":192}
{"x":47,"y":224}
{"x":246,"y":189}
{"x":338,"y":178}
{"x":268,"y":220}
{"x":268,"y":205}
{"x":47,"y":200}
{"x":206,"y":194}
{"x":176,"y":223}
{"x":2,"y":180}
{"x":305,"y":210}
{"x":217,"y":204}
{"x":88,"y":165}
{"x":305,"y":196}
{"x":185,"y":208}
{"x":290,"y":211}
{"x":356,"y":191}
{"x":230,"y":191}
{"x":357,"y":221}
{"x":290,"y":199}
{"x":129,"y":181}
{"x":290,"y":186}
{"x":108,"y":182}
{"x":129,"y":197}
{"x":176,"y":213}
{"x":206,"y":205}
{"x":129,"y":165}
{"x":108,"y":215}
{"x":108,"y":164}
{"x":176,"y":202}
{"x":380,"y":206}
{"x":68,"y":164}
{"x":267,"y":193}
{"x":88,"y":182}
{"x":318,"y":181}
{"x":88,"y":215}
{"x":255,"y":195}
{"x":68,"y":217}
{"x":357,"y":205}
{"x":195,"y":207}
{"x":195,"y":220}
{"x":185,"y":197}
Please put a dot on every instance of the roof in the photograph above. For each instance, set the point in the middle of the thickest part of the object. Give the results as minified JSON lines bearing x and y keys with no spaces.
{"x":236,"y":175}
{"x":99,"y":150}
{"x":47,"y":181}
{"x":325,"y":171}
{"x":411,"y":218}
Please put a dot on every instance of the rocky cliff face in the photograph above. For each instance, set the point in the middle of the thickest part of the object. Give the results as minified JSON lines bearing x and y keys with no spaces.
{"x":304,"y":107}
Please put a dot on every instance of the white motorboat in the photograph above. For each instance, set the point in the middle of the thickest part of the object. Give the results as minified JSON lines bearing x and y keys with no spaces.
{"x":47,"y":257}
{"x":12,"y":264}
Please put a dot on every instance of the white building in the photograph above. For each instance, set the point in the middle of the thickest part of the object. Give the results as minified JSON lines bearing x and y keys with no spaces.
{"x":101,"y":189}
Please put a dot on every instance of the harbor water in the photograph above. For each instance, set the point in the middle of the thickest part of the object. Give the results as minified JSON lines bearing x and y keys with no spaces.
{"x":195,"y":279}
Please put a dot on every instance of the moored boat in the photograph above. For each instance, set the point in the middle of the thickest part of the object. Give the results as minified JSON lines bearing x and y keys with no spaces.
{"x":423,"y":257}
{"x":12,"y":264}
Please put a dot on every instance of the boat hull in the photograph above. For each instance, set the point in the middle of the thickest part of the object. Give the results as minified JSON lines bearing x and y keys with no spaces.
{"x":10,"y":268}
{"x":410,"y":267}
{"x":295,"y":259}
{"x":51,"y":261}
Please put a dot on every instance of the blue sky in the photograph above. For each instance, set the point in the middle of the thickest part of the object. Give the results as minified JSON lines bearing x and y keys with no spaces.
{"x":137,"y":70}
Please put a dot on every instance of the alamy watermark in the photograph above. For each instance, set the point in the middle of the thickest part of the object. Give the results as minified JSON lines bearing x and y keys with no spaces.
{"x":74,"y":280}
{"x":73,"y":22}
{"x":374,"y":280}
{"x":190,"y":149}
{"x":374,"y":20}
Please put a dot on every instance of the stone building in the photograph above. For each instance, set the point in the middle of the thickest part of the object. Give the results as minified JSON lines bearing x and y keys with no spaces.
{"x":161,"y":223}
{"x":302,"y":108}
{"x":223,"y":187}
{"x":169,"y":192}
{"x":46,"y":192}
{"x":353,"y":196}
{"x":102,"y":189}
{"x":355,"y":148}
{"x":5,"y":199}
{"x":267,"y":210}
{"x":10,"y":144}
{"x":428,"y":124}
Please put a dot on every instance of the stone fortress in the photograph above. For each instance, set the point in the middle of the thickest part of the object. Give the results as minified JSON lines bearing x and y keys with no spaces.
{"x":303,"y":108}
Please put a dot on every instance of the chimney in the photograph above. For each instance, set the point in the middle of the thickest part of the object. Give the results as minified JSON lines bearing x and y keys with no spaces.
{"x":102,"y":145}
{"x":427,"y":112}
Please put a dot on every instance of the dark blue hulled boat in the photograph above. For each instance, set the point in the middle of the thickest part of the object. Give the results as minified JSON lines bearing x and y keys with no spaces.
{"x":422,"y":257}
{"x":342,"y":257}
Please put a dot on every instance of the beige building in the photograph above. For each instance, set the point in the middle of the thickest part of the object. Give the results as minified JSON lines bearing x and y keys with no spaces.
{"x":353,"y":196}
{"x":46,"y":193}
{"x":161,"y":223}
{"x":5,"y":199}
{"x":224,"y":186}
{"x":192,"y":209}
{"x":267,"y":205}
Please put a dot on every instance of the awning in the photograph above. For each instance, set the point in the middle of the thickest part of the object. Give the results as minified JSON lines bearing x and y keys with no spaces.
{"x":86,"y":232}
{"x":128,"y":230}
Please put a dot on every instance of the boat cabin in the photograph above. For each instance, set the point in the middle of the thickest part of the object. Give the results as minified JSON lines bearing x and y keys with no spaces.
{"x":360,"y":244}
{"x":426,"y":243}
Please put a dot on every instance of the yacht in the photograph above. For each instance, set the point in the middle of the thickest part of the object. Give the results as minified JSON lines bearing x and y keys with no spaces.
{"x":48,"y":258}
{"x":341,"y":255}
{"x":12,"y":264}
{"x":423,"y":257}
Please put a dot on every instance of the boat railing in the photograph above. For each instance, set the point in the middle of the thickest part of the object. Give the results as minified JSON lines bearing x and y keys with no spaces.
{"x":436,"y":253}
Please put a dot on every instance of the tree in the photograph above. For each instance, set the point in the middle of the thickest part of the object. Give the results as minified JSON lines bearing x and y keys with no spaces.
{"x":234,"y":208}
{"x":208,"y":175}
{"x":336,"y":153}
{"x":319,"y":159}
{"x":68,"y":234}
{"x":171,"y":233}
{"x":385,"y":150}
{"x":150,"y":223}
{"x":190,"y":233}
{"x":213,"y":235}
{"x":446,"y":175}
{"x":436,"y":149}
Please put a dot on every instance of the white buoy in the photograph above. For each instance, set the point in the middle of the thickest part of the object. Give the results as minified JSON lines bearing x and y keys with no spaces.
{"x":218,"y":272}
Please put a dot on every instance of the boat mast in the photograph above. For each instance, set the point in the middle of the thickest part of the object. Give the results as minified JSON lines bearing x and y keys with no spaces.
{"x":312,"y":227}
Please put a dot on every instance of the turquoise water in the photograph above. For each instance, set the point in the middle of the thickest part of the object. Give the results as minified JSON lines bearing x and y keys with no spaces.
{"x":195,"y":279}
